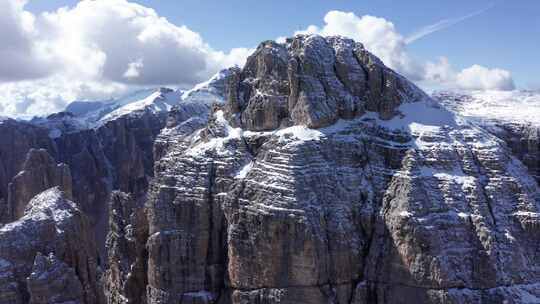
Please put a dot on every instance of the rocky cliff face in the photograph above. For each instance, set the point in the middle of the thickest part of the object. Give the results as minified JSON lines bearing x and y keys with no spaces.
{"x":328,"y":178}
{"x":39,"y":173}
{"x":17,"y":139}
{"x":314,"y":174}
{"x":49,"y":254}
{"x":126,"y":277}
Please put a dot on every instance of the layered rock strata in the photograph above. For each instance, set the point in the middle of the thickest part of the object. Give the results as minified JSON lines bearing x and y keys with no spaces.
{"x":280,"y":200}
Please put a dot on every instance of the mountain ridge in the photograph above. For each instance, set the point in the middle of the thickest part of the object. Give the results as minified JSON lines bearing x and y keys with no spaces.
{"x":314,"y":174}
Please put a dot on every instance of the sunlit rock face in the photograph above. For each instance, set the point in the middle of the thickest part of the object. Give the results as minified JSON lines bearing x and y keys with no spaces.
{"x":314,"y":81}
{"x":328,"y":178}
{"x":314,"y":174}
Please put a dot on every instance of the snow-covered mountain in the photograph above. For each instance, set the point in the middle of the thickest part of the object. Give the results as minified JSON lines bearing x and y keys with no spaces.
{"x":314,"y":174}
{"x":513,"y":116}
{"x":490,"y":107}
{"x":81,"y":115}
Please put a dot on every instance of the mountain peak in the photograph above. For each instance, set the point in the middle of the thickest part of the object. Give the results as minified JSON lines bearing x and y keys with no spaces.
{"x":314,"y":81}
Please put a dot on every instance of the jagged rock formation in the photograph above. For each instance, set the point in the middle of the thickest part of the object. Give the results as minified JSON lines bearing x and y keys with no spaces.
{"x":325,"y":177}
{"x":51,"y":225}
{"x":17,"y":139}
{"x":126,"y":242}
{"x":314,"y":82}
{"x":39,"y":173}
{"x":401,"y":203}
{"x":53,"y":281}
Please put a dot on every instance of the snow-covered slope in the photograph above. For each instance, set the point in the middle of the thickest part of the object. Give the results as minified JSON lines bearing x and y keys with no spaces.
{"x":158,"y":101}
{"x":81,"y":115}
{"x":487,"y":107}
{"x":211,"y":91}
{"x":513,"y":116}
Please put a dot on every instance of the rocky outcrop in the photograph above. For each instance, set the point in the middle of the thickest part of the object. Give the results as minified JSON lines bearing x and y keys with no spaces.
{"x":325,"y":178}
{"x":16,"y":139}
{"x":277,"y":200}
{"x":314,"y":81}
{"x":52,"y":281}
{"x":126,"y":242}
{"x":39,"y":173}
{"x":51,"y":225}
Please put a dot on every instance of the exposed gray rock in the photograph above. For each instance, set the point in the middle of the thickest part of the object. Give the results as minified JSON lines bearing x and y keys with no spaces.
{"x":126,"y":242}
{"x":39,"y":172}
{"x":314,"y":81}
{"x":401,"y":203}
{"x":51,"y":224}
{"x":499,"y":113}
{"x":16,"y":139}
{"x":325,"y":178}
{"x":52,"y":282}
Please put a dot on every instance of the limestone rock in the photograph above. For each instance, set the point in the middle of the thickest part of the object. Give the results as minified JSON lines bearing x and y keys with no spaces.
{"x":52,"y":281}
{"x":126,"y":242}
{"x":39,"y":172}
{"x":16,"y":139}
{"x":314,"y":81}
{"x":51,"y":224}
{"x":276,"y":200}
{"x":511,"y":116}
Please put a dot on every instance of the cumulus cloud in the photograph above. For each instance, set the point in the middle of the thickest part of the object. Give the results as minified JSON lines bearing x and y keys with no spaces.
{"x":128,"y":43}
{"x":42,"y":96}
{"x":381,"y":37}
{"x":377,"y":34}
{"x":104,"y":48}
{"x":478,"y":77}
{"x":109,"y":45}
{"x":19,"y":56}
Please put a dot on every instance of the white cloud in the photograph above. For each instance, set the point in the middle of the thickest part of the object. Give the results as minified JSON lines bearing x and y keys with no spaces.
{"x":18,"y":53}
{"x":381,"y":37}
{"x":478,"y":77}
{"x":103,"y":48}
{"x":112,"y":45}
{"x":377,"y":34}
{"x":118,"y":36}
{"x":51,"y":94}
{"x":134,"y":68}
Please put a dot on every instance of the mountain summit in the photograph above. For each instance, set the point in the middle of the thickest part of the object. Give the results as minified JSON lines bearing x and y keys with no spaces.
{"x":314,"y":174}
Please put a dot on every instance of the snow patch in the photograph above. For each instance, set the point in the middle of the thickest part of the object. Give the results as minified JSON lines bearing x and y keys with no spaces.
{"x":216,"y":144}
{"x":244,"y":171}
{"x":300,"y":133}
{"x":487,"y":107}
{"x":157,"y":102}
{"x":455,"y":175}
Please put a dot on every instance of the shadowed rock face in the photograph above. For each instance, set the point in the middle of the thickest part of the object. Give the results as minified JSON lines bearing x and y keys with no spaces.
{"x":16,"y":139}
{"x":126,"y":277}
{"x":39,"y":172}
{"x":53,"y":281}
{"x":53,"y":226}
{"x":277,"y":199}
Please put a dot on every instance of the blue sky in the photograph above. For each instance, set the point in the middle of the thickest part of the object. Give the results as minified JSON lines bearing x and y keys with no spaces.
{"x":506,"y":36}
{"x":57,"y":51}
